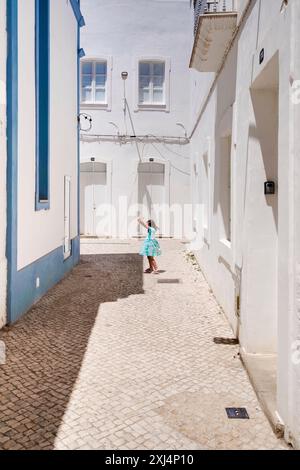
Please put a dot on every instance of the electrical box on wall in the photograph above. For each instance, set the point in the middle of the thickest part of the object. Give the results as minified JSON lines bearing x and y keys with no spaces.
{"x":270,"y":188}
{"x":261,"y":56}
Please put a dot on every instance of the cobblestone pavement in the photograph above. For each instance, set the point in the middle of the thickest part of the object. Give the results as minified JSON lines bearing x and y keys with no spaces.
{"x":114,"y":359}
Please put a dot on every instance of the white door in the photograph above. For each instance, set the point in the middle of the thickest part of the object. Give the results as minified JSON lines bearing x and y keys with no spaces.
{"x":94,"y":200}
{"x":152,"y":192}
{"x":67,"y":228}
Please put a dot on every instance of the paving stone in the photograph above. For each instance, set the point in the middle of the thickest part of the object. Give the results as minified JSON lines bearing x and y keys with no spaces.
{"x":111,"y":359}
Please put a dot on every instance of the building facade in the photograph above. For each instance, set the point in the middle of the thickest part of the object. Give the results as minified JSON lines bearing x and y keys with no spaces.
{"x":3,"y":160}
{"x":135,"y":88}
{"x":245,"y":162}
{"x":39,"y":238}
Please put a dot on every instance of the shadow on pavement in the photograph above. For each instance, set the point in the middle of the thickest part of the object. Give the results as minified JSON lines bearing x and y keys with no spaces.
{"x":46,"y":347}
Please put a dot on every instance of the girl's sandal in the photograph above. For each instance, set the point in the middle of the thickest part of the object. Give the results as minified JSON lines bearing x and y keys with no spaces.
{"x":148,"y":271}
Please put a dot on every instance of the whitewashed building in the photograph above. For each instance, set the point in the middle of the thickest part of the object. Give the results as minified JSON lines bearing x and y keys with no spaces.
{"x":245,"y":184}
{"x":39,"y":143}
{"x":135,"y":87}
{"x":3,"y":159}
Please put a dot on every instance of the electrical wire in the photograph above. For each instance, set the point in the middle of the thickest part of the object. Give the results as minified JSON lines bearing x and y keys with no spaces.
{"x":139,"y":138}
{"x":171,"y":164}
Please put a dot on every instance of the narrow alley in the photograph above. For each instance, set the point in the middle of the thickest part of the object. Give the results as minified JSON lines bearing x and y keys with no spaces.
{"x":114,"y":358}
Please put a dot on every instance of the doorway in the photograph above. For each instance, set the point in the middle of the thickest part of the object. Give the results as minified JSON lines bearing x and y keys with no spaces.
{"x":94,"y":200}
{"x":152,"y":192}
{"x":262,"y":214}
{"x":260,"y":277}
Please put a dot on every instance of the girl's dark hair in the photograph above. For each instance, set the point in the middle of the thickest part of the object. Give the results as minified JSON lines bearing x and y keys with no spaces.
{"x":152,"y":224}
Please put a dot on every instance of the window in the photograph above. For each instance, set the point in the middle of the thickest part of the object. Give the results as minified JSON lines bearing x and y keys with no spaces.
{"x":152,"y":83}
{"x":94,"y":82}
{"x":42,"y":43}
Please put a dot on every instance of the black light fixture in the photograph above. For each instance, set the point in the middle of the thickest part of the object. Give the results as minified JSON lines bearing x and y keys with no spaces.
{"x":270,"y":188}
{"x":124,"y":75}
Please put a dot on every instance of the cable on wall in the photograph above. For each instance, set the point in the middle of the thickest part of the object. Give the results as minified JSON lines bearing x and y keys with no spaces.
{"x":124,"y":139}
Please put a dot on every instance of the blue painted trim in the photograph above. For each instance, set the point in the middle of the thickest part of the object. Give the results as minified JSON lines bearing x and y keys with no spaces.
{"x":50,"y":269}
{"x":42,"y":84}
{"x":77,"y":254}
{"x":81,"y":53}
{"x":77,"y":12}
{"x":12,"y":145}
{"x":21,"y":285}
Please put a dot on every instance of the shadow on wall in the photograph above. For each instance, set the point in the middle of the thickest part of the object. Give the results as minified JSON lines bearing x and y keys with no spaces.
{"x":226,"y":91}
{"x":265,"y":107}
{"x":151,"y":190}
{"x":45,"y":349}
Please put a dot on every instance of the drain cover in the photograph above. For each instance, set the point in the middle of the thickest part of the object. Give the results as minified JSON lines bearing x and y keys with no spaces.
{"x":237,"y":413}
{"x":168,"y":281}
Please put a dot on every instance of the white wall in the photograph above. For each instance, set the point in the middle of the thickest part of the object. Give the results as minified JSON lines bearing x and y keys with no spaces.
{"x":40,"y":232}
{"x":3,"y":264}
{"x":289,"y":397}
{"x":231,"y":102}
{"x":259,"y":265}
{"x":214,"y":253}
{"x":126,"y":31}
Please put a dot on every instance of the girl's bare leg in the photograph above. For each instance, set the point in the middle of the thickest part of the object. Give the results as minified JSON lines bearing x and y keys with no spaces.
{"x":154,"y":265}
{"x":150,"y":263}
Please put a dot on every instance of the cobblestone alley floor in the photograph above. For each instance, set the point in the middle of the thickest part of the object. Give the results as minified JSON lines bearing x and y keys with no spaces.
{"x":114,"y":359}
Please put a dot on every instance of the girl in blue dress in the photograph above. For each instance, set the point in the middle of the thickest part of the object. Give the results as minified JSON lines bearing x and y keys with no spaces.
{"x":150,"y":247}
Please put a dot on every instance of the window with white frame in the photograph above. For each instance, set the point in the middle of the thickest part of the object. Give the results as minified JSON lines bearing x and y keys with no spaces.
{"x":94,"y":82}
{"x":152,"y":83}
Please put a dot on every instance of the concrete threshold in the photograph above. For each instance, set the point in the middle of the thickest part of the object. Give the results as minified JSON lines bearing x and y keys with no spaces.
{"x":262,"y":371}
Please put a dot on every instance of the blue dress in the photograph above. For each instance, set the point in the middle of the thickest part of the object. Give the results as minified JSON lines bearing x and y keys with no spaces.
{"x":150,"y":246}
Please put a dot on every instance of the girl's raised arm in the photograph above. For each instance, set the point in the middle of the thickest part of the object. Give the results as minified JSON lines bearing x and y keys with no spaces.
{"x":141,"y":221}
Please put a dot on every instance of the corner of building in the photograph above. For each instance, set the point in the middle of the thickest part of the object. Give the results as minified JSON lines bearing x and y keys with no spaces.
{"x":3,"y":163}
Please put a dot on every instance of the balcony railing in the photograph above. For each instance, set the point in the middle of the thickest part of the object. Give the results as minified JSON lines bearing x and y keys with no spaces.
{"x":215,"y":23}
{"x":205,"y":7}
